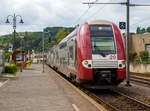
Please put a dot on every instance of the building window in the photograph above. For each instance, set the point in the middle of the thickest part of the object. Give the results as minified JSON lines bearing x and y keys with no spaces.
{"x":147,"y":46}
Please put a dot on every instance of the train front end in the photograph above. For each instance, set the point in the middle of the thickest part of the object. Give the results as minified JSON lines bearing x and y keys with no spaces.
{"x":101,"y":54}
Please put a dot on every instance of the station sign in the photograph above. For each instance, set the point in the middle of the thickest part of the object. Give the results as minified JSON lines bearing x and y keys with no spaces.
{"x":10,"y":47}
{"x":122,"y":25}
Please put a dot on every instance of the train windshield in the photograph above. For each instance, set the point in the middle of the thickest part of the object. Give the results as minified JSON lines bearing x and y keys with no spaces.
{"x":102,"y":39}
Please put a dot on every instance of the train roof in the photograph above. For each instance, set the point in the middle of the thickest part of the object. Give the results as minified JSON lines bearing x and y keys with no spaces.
{"x":74,"y":32}
{"x":69,"y":36}
{"x":99,"y":22}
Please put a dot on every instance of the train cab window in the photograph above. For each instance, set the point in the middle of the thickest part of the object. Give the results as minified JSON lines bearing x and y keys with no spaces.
{"x":102,"y":39}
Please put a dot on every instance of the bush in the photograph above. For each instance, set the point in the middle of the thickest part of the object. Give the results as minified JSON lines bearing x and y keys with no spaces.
{"x":132,"y":55}
{"x":7,"y":55}
{"x":28,"y":62}
{"x":144,"y":55}
{"x":10,"y":68}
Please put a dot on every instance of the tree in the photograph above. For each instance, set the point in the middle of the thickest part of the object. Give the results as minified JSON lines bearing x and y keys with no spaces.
{"x":62,"y":33}
{"x":33,"y":40}
{"x":144,"y":55}
{"x":143,"y":31}
{"x":138,"y":30}
{"x":148,"y":29}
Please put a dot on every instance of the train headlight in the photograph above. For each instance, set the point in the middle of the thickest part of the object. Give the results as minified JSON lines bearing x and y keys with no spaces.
{"x":123,"y":62}
{"x":85,"y":62}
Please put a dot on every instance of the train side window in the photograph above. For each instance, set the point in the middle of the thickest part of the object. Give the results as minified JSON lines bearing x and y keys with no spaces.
{"x":62,"y":45}
{"x":71,"y":52}
{"x":57,"y":56}
{"x":75,"y":51}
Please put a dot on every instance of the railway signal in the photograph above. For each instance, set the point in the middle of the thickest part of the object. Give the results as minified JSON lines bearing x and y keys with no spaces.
{"x":128,"y":5}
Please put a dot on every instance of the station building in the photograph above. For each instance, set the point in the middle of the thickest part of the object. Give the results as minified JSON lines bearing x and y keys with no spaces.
{"x":140,"y":42}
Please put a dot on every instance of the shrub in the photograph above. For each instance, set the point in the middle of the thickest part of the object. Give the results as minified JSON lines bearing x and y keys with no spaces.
{"x":28,"y":62}
{"x":144,"y":55}
{"x":132,"y":55}
{"x":7,"y":55}
{"x":10,"y":68}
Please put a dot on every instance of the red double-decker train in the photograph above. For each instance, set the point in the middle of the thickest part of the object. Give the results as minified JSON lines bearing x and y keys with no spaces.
{"x":93,"y":55}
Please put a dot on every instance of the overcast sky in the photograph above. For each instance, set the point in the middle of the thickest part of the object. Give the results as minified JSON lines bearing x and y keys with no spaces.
{"x":38,"y":14}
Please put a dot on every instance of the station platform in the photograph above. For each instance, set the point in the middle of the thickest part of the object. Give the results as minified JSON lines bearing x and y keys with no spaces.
{"x":33,"y":90}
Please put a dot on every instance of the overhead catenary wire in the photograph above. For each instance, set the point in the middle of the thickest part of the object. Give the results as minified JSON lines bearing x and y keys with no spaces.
{"x":84,"y":13}
{"x":141,"y":21}
{"x":100,"y":9}
{"x":138,"y":22}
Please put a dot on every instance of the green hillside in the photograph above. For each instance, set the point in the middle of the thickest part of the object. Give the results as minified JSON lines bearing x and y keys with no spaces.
{"x":33,"y":40}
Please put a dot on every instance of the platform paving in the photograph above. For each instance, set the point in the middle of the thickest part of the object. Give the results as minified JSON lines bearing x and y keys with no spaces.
{"x":33,"y":90}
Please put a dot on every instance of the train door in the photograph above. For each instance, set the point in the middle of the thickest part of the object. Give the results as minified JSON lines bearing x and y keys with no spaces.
{"x":72,"y":54}
{"x":75,"y":53}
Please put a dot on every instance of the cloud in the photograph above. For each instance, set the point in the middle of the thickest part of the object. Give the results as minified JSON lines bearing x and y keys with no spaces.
{"x":38,"y":14}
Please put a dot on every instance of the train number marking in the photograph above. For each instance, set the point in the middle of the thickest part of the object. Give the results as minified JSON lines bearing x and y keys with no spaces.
{"x":112,"y":57}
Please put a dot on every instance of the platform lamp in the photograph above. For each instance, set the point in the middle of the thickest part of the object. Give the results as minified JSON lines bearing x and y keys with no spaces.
{"x":14,"y":25}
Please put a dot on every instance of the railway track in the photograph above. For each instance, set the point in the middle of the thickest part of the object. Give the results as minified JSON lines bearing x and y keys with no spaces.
{"x":140,"y":80}
{"x":139,"y":74}
{"x":115,"y":101}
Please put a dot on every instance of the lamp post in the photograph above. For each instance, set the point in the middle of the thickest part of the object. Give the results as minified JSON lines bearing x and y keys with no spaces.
{"x":43,"y":49}
{"x":14,"y":25}
{"x":22,"y":57}
{"x":48,"y":33}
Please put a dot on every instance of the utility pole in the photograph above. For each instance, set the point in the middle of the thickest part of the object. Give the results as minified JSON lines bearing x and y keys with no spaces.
{"x":45,"y":32}
{"x":25,"y":45}
{"x":127,"y":32}
{"x":14,"y":25}
{"x":127,"y":45}
{"x":22,"y":57}
{"x":43,"y":48}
